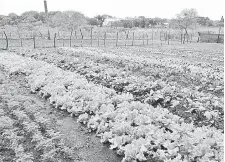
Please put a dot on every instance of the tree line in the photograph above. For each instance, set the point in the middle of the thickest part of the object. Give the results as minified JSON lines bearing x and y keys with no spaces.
{"x":71,"y":20}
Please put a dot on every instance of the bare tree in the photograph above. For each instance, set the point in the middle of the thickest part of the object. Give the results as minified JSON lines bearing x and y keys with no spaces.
{"x":187,"y":18}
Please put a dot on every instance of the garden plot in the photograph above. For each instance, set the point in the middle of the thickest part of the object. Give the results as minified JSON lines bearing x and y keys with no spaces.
{"x":138,"y":131}
{"x":200,"y":102}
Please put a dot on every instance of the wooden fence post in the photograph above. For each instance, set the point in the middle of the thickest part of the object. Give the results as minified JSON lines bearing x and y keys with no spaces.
{"x":71,"y":33}
{"x":184,"y":38}
{"x":98,"y":41}
{"x":165,"y":37}
{"x":153,"y":35}
{"x":91,"y":37}
{"x":143,"y":37}
{"x":117,"y":35}
{"x":126,"y":36}
{"x":34,"y":42}
{"x":54,"y":40}
{"x":133,"y":40}
{"x":82,"y":37}
{"x":161,"y":37}
{"x":104,"y":38}
{"x":168,"y":37}
{"x":181,"y":37}
{"x":187,"y":37}
{"x":147,"y":39}
{"x":21,"y":42}
{"x":7,"y":41}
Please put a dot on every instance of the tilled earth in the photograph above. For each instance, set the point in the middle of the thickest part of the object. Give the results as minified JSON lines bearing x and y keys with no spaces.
{"x":32,"y":130}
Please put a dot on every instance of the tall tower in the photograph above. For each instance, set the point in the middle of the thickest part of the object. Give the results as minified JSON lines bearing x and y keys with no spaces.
{"x":46,"y":8}
{"x":46,"y":14}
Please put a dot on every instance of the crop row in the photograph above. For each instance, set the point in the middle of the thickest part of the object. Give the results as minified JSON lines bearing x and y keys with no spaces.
{"x":180,"y":67}
{"x":138,"y":131}
{"x":192,"y":105}
{"x":203,"y":55}
{"x":25,"y":132}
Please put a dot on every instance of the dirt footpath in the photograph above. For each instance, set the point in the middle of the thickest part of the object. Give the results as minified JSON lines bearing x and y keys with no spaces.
{"x":32,"y":130}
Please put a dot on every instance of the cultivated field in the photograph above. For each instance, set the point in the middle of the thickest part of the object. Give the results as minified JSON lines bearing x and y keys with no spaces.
{"x":147,"y":104}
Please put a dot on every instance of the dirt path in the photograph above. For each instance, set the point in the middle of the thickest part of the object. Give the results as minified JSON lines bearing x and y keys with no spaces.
{"x":31,"y":130}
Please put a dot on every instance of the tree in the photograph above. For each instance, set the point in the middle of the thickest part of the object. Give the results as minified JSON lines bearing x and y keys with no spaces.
{"x":136,"y":22}
{"x":186,"y":19}
{"x":127,"y":23}
{"x":93,"y":22}
{"x":58,"y":20}
{"x":117,"y":24}
{"x":14,"y":19}
{"x":74,"y":19}
{"x":204,"y":21}
{"x":141,"y":21}
{"x":101,"y":19}
{"x":30,"y":15}
{"x":42,"y":17}
{"x":69,"y":20}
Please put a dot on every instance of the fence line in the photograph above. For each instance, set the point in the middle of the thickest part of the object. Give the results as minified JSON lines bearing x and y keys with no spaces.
{"x":119,"y":39}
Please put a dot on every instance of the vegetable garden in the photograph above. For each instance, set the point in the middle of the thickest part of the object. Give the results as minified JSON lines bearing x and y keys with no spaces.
{"x":147,"y":104}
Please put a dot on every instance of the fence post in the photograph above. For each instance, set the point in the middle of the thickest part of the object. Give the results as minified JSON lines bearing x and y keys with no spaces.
{"x":143,"y":39}
{"x":34,"y":41}
{"x":82,"y":37}
{"x":165,"y":37}
{"x":54,"y":40}
{"x":21,"y":42}
{"x":161,"y":37}
{"x":168,"y":37}
{"x":153,"y":35}
{"x":117,"y":35}
{"x":71,"y":33}
{"x":208,"y":36}
{"x":91,"y":37}
{"x":7,"y":41}
{"x":126,"y":36}
{"x":104,"y":38}
{"x":98,"y":41}
{"x":181,"y":38}
{"x":133,"y":40}
{"x":125,"y":39}
{"x":147,"y":39}
{"x":187,"y":37}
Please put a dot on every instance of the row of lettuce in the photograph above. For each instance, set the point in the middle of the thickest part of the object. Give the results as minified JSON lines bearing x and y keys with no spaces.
{"x":26,"y":133}
{"x":137,"y":130}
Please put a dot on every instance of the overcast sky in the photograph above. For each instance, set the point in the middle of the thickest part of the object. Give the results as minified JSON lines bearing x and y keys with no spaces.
{"x":213,"y":9}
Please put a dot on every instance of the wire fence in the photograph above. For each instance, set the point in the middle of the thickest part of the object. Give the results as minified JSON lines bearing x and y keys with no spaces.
{"x":78,"y":38}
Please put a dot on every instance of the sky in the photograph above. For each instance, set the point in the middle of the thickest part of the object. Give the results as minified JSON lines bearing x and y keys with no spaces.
{"x":213,"y":9}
